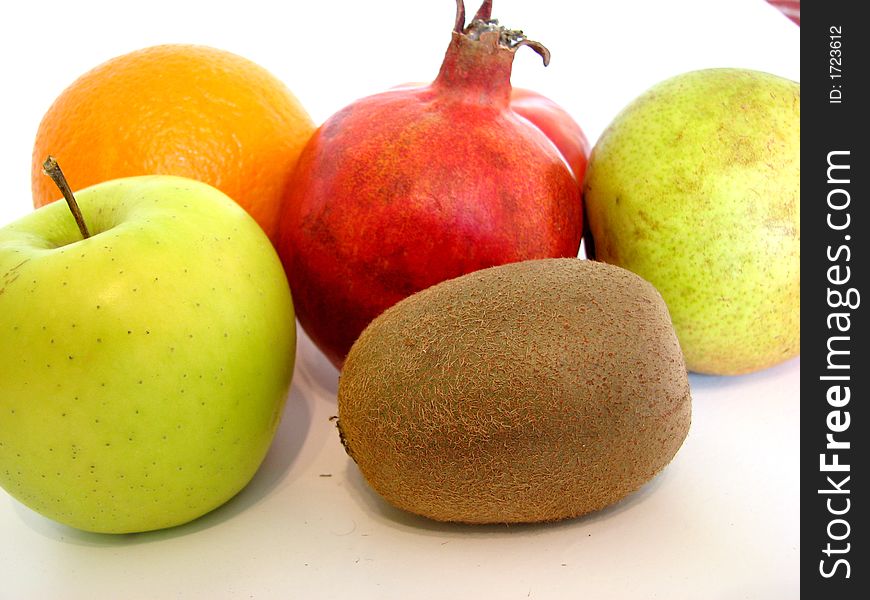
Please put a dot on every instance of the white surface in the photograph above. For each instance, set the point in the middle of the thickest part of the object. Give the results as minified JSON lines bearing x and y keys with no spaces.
{"x":720,"y":522}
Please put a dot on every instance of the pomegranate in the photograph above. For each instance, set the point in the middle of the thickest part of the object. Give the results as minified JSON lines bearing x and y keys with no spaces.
{"x":554,"y":121}
{"x":407,"y":188}
{"x":557,"y":125}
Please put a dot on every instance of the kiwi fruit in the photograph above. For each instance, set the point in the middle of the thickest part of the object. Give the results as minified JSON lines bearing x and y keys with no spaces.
{"x":528,"y":392}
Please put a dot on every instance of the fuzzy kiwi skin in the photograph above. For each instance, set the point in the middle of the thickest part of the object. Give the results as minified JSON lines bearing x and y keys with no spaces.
{"x":528,"y":392}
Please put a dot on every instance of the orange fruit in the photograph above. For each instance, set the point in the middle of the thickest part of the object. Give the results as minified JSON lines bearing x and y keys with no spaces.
{"x":182,"y":110}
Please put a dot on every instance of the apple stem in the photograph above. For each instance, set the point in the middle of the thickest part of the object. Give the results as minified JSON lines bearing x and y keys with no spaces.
{"x":52,"y":169}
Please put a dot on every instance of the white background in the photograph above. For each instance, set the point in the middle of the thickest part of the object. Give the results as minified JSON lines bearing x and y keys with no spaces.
{"x":720,"y":522}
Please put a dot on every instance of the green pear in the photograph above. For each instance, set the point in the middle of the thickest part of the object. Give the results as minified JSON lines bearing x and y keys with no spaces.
{"x":695,"y":186}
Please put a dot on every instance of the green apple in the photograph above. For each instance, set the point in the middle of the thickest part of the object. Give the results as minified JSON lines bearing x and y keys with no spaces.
{"x":695,"y":186}
{"x":143,"y":370}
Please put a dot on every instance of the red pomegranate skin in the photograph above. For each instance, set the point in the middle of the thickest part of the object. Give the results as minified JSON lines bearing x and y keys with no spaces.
{"x":557,"y":125}
{"x":405,"y":189}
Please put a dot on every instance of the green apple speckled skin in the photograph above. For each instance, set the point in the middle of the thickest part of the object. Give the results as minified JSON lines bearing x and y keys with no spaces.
{"x":695,"y":186}
{"x":142,"y":370}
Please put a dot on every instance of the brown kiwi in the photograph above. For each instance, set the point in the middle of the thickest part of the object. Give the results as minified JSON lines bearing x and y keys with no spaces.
{"x":533,"y":391}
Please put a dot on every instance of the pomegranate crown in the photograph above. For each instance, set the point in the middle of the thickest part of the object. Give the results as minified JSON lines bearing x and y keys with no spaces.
{"x":483,"y":23}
